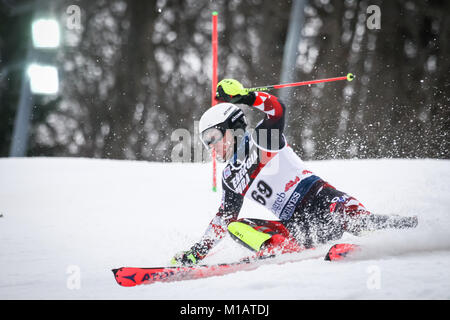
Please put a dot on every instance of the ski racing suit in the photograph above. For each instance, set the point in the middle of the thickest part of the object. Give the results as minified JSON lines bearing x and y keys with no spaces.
{"x":265,"y":169}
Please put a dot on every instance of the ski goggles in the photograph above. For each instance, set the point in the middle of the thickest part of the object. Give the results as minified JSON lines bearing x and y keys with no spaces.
{"x":211,"y":136}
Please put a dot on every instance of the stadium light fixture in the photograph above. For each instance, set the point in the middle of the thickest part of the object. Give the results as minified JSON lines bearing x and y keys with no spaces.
{"x":43,"y":79}
{"x":45,"y":33}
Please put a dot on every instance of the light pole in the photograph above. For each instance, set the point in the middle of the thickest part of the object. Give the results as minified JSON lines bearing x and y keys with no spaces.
{"x":290,"y":52}
{"x":19,"y":140}
{"x":36,"y":79}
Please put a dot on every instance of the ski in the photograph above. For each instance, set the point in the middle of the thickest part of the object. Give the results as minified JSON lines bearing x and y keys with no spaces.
{"x":133,"y":276}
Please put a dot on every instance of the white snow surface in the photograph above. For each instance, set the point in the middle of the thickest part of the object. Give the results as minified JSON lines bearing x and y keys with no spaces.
{"x":66,"y":222}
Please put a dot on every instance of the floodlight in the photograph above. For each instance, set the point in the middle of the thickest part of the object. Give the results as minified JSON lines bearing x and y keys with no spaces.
{"x":43,"y":79}
{"x":45,"y":33}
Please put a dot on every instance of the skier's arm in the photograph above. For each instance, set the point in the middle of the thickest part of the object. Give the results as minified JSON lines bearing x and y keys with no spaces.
{"x":269,"y":104}
{"x":269,"y":132}
{"x":228,"y":212}
{"x":230,"y":90}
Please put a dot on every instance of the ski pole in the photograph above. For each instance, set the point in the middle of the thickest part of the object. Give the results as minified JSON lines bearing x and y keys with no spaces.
{"x":348,"y":77}
{"x":214,"y":43}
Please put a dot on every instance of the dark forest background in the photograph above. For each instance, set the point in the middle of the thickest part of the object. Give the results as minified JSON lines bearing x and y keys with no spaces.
{"x":135,"y":71}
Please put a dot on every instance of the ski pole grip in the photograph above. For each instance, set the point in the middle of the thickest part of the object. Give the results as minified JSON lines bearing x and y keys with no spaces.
{"x":350,"y":76}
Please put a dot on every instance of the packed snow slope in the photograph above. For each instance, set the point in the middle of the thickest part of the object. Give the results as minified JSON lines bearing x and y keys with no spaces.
{"x":67,"y":222}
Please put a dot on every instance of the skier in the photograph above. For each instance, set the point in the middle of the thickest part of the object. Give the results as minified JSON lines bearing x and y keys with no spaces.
{"x":262,"y":166}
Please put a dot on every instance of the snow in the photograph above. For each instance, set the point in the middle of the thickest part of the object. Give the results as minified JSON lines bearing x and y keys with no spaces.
{"x":68,"y":221}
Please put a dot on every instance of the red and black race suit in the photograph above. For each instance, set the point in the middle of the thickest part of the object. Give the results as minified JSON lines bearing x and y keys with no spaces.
{"x":265,"y":169}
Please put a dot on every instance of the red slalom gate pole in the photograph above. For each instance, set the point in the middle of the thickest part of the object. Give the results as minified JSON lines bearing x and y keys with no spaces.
{"x":214,"y":43}
{"x":348,"y":77}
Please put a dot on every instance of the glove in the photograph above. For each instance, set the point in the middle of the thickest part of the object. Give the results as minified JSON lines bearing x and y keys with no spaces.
{"x":230,"y":90}
{"x":184,"y":258}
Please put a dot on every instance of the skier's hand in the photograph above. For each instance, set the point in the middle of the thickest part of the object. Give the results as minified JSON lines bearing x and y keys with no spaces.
{"x":184,"y":258}
{"x":230,"y":90}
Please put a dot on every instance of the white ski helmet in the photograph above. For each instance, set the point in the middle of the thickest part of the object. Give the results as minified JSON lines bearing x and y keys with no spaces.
{"x":221,"y":117}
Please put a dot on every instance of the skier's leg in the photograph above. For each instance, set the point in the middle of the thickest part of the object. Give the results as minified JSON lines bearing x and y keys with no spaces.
{"x":266,"y":237}
{"x":370,"y":222}
{"x":355,"y":218}
{"x":312,"y":223}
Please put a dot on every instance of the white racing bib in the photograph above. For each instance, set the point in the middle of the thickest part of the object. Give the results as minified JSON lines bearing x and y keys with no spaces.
{"x":277,"y":180}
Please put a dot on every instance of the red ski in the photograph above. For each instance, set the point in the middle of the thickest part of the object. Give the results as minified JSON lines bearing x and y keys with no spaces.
{"x":132,"y":276}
